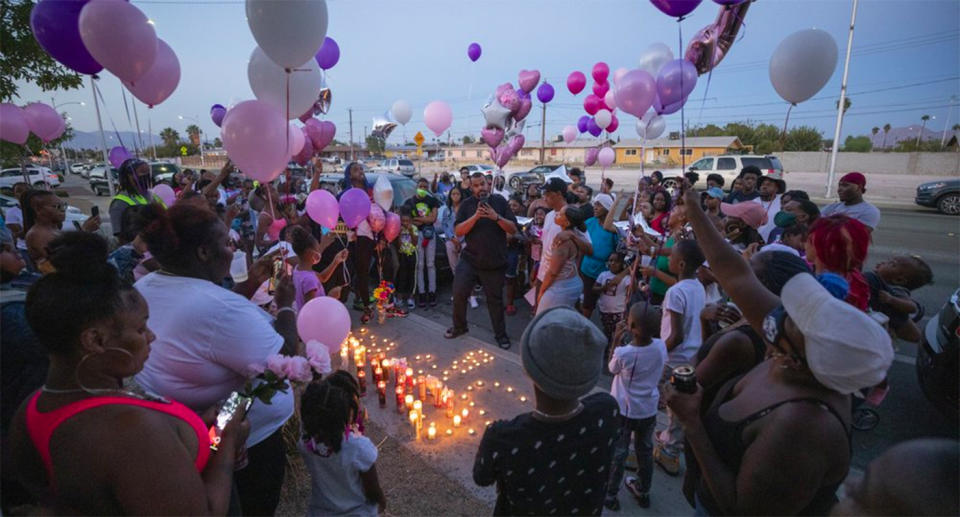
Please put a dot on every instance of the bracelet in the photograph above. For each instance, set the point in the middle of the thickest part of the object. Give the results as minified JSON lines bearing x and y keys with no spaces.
{"x":286,"y":309}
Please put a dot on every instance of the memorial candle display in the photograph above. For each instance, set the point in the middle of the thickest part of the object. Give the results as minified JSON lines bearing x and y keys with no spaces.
{"x":408,"y":401}
{"x":456,"y":420}
{"x":400,"y":405}
{"x":382,"y":393}
{"x":422,"y":387}
{"x":432,"y":431}
{"x":362,"y":381}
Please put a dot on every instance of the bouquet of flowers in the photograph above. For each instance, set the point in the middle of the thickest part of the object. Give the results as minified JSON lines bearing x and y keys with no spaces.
{"x":384,"y":296}
{"x":281,"y":371}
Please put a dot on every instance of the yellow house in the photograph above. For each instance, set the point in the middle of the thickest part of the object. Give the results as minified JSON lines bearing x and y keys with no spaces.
{"x":667,"y":151}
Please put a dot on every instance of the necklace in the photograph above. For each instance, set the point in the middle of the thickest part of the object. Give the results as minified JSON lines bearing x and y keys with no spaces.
{"x":137,"y":392}
{"x":540,"y":415}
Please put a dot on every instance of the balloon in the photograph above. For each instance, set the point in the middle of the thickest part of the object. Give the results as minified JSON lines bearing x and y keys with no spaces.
{"x":601,"y":89}
{"x":321,"y":105}
{"x":583,"y":123}
{"x":392,"y":227}
{"x":525,"y":106}
{"x":593,"y":128}
{"x":610,"y":100}
{"x":119,"y":37}
{"x":495,"y":115}
{"x":528,"y":79}
{"x":13,"y":124}
{"x":576,"y":82}
{"x":802,"y":64}
{"x":44,"y":121}
{"x":606,"y":156}
{"x":502,"y":88}
{"x":401,"y":112}
{"x":654,"y":57}
{"x":329,"y":54}
{"x":118,"y":155}
{"x":545,"y":92}
{"x":502,"y":156}
{"x":255,"y":137}
{"x":509,"y":99}
{"x":307,"y":151}
{"x":165,"y":193}
{"x":614,"y":123}
{"x":160,"y":80}
{"x":730,"y":2}
{"x":56,"y":26}
{"x":376,"y":219}
{"x":710,"y":45}
{"x":273,"y":231}
{"x":620,"y":73}
{"x":322,"y":207}
{"x":354,"y":206}
{"x":296,"y":139}
{"x":289,"y":32}
{"x":591,"y":104}
{"x":382,"y":127}
{"x":324,"y":319}
{"x":270,"y":83}
{"x":438,"y":116}
{"x":516,"y":143}
{"x":591,"y":156}
{"x":600,"y":72}
{"x":667,"y":109}
{"x":383,"y":193}
{"x":217,"y":112}
{"x":602,"y":118}
{"x":321,"y":133}
{"x":474,"y":51}
{"x":635,"y":92}
{"x":651,"y":126}
{"x":676,"y":80}
{"x":491,"y":136}
{"x":676,"y":8}
{"x":569,"y":134}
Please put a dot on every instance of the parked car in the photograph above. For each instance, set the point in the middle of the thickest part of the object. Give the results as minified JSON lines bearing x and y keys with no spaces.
{"x":479,"y":167}
{"x":73,"y":214}
{"x":37,"y":175}
{"x":77,"y":168}
{"x":726,"y":165}
{"x":397,"y":166}
{"x":937,"y":363}
{"x":98,"y":180}
{"x":943,"y":195}
{"x":163,"y":172}
{"x":518,"y":181}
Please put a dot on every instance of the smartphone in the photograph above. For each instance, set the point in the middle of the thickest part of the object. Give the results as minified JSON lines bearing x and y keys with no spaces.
{"x":95,"y":211}
{"x":227,"y":411}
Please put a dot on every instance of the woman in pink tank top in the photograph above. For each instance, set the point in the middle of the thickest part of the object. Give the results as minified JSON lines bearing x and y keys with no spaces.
{"x":83,"y":444}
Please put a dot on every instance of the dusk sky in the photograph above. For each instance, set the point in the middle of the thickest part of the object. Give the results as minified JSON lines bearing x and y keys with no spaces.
{"x":905,"y":61}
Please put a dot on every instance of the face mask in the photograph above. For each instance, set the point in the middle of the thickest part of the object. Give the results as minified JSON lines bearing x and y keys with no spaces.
{"x":784,"y":219}
{"x":422,"y":193}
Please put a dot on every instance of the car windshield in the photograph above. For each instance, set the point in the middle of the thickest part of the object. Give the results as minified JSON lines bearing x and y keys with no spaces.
{"x":775,"y":162}
{"x":761,"y":163}
{"x":406,"y":163}
{"x":164,"y":168}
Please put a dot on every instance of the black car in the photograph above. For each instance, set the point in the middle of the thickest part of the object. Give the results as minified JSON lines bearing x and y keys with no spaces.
{"x":943,"y":195}
{"x":520,"y":180}
{"x":937,"y":363}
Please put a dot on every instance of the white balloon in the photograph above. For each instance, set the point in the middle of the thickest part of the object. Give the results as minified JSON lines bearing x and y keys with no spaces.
{"x":296,"y":139}
{"x":401,"y":112}
{"x":383,"y":192}
{"x":651,"y":125}
{"x":654,"y":57}
{"x":569,"y":134}
{"x":603,"y":118}
{"x":606,"y":157}
{"x":802,"y":64}
{"x":268,"y":81}
{"x":610,"y":99}
{"x":290,"y":32}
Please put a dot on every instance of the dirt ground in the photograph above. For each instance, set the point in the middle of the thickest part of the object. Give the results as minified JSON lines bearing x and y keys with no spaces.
{"x":412,"y":486}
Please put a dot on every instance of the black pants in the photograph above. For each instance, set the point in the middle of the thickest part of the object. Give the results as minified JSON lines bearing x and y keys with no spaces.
{"x":406,"y":274}
{"x":464,"y":278}
{"x":361,"y":253}
{"x":259,"y":483}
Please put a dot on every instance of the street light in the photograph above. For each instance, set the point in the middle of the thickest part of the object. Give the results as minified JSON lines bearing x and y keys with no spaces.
{"x":197,"y":120}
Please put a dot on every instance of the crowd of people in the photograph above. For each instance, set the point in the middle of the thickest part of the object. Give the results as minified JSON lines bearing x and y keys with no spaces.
{"x":746,"y":314}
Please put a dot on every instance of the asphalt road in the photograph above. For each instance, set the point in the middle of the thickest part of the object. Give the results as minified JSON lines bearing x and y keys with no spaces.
{"x":904,"y":414}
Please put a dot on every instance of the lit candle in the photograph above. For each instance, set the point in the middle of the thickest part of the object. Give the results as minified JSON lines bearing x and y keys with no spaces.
{"x":509,"y":389}
{"x":422,"y":387}
{"x":344,"y":357}
{"x":445,"y":378}
{"x":400,"y":405}
{"x":432,"y":431}
{"x":413,"y":418}
{"x":433,"y":367}
{"x":428,"y":356}
{"x":471,"y":404}
{"x":408,"y":401}
{"x":465,"y":413}
{"x":363,"y":330}
{"x":362,"y":381}
{"x":463,"y":371}
{"x":418,"y":406}
{"x":416,"y":357}
{"x":487,"y":423}
{"x":449,"y":432}
{"x":378,"y":374}
{"x":382,"y":393}
{"x":449,"y":402}
{"x":456,"y":420}
{"x":419,"y":372}
{"x":496,"y":384}
{"x":479,"y":384}
{"x":469,"y":387}
{"x":483,"y":412}
{"x":471,"y":431}
{"x":385,"y":366}
{"x":463,"y":396}
{"x":446,"y":372}
{"x":408,"y":372}
{"x":523,"y":398}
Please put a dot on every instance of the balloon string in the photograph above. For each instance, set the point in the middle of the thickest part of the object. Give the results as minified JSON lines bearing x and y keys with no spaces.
{"x":683,"y":129}
{"x":126,"y":108}
{"x":137,"y":120}
{"x":96,"y":90}
{"x":783,"y":135}
{"x":287,"y":119}
{"x":703,"y":102}
{"x":273,"y":212}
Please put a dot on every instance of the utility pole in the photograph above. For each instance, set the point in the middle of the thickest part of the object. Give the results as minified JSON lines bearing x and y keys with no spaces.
{"x":543,"y":131}
{"x":943,"y":138}
{"x":103,"y":139}
{"x":350,"y":111}
{"x":843,"y":96}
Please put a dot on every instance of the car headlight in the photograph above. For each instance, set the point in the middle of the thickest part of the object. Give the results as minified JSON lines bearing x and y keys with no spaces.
{"x":931,"y":186}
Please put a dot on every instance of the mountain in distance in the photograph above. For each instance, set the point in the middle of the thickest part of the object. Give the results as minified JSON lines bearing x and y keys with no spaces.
{"x":899,"y":134}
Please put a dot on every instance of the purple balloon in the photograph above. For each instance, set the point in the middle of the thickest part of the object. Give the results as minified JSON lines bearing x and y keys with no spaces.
{"x":329,"y":54}
{"x":545,"y":92}
{"x":676,"y":80}
{"x":635,"y":92}
{"x":217,"y":112}
{"x":593,"y":128}
{"x":729,"y":2}
{"x":56,"y":26}
{"x":474,"y":51}
{"x":118,"y":155}
{"x":676,"y":8}
{"x":322,"y":208}
{"x":583,"y":124}
{"x":354,"y":207}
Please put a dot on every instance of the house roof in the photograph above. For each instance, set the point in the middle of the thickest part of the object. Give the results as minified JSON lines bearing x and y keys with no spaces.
{"x":690,"y":142}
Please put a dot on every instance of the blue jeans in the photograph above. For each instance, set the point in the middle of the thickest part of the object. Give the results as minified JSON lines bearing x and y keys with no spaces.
{"x":642,"y":430}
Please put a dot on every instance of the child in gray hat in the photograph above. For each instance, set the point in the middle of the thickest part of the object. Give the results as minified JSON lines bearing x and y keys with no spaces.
{"x":555,"y":459}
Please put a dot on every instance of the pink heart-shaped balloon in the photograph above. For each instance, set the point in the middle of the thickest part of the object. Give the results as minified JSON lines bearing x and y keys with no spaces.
{"x":528,"y":80}
{"x":601,"y":89}
{"x":503,"y":156}
{"x":491,"y":136}
{"x":516,"y":143}
{"x":510,"y":100}
{"x":502,"y":88}
{"x":525,"y":106}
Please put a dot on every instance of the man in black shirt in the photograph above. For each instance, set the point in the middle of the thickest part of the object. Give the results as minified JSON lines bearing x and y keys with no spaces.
{"x":486,"y":221}
{"x":750,"y":176}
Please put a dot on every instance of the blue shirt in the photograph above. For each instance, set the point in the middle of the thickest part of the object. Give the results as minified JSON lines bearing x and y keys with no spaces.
{"x":604,"y":243}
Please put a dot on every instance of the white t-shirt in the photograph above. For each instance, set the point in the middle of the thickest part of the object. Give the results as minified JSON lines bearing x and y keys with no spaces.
{"x":637,"y":370}
{"x":862,"y":211}
{"x":612,"y":300}
{"x":771,"y":207}
{"x":335,"y":476}
{"x":14,"y":215}
{"x":550,"y":231}
{"x":686,"y":298}
{"x":207,"y":338}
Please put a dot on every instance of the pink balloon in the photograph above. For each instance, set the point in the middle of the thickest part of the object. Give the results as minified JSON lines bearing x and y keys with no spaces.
{"x":569,"y":134}
{"x":255,"y":136}
{"x":510,"y":100}
{"x":321,"y":133}
{"x":600,"y":72}
{"x":503,"y":155}
{"x":591,"y":156}
{"x":605,"y":157}
{"x":376,"y":219}
{"x":528,"y":80}
{"x":273,"y":232}
{"x":619,"y":74}
{"x":491,"y":136}
{"x":525,"y":106}
{"x":160,"y":80}
{"x":295,"y":139}
{"x":576,"y":82}
{"x":502,"y":88}
{"x":601,"y":89}
{"x":610,"y":100}
{"x":614,"y":123}
{"x":324,"y":319}
{"x":516,"y":143}
{"x":635,"y":92}
{"x":44,"y":121}
{"x":323,"y":208}
{"x":592,"y":104}
{"x":392,"y":227}
{"x":118,"y":155}
{"x":120,"y":37}
{"x":354,"y":207}
{"x":13,"y":124}
{"x":438,"y":116}
{"x":306,"y":152}
{"x":165,"y":193}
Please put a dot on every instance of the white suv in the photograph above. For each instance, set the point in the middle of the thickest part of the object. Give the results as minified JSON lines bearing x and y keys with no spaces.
{"x":397,"y":166}
{"x":728,"y":166}
{"x":12,"y":176}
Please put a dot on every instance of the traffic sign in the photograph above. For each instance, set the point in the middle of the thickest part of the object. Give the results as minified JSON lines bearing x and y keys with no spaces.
{"x":183,"y":150}
{"x":419,"y":139}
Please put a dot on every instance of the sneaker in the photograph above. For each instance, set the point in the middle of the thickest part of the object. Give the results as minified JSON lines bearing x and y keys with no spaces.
{"x":612,"y":504}
{"x":633,"y":486}
{"x":668,"y":462}
{"x":411,"y":304}
{"x":511,"y":310}
{"x":473,"y":302}
{"x":422,"y":300}
{"x":432,"y":299}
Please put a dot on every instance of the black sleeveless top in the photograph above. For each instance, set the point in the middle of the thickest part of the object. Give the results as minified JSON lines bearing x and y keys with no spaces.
{"x":727,"y":439}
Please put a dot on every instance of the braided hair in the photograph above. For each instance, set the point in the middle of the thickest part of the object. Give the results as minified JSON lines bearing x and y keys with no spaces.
{"x":325,"y":411}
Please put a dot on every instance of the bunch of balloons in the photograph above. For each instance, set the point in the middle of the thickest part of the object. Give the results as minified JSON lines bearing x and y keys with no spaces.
{"x":89,"y":35}
{"x":505,"y":112}
{"x":17,"y":123}
{"x":600,"y":105}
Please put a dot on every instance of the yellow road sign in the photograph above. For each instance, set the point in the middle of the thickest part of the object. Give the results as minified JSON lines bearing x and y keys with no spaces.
{"x":419,"y":139}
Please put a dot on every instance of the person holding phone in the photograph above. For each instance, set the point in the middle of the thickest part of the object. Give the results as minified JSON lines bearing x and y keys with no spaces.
{"x":82,"y":434}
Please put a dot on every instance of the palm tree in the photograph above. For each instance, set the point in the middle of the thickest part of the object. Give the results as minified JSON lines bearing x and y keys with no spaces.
{"x":170,"y":137}
{"x":956,"y":127}
{"x":923,"y":127}
{"x":886,"y":131}
{"x":874,"y":131}
{"x":193,"y":132}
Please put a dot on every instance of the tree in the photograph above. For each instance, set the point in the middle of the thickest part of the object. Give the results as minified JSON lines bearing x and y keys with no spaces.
{"x":22,"y":58}
{"x":375,"y":145}
{"x":874,"y":132}
{"x":467,"y":139}
{"x":886,"y":131}
{"x":193,"y":132}
{"x":170,"y":137}
{"x":803,"y":138}
{"x":923,"y":127}
{"x":956,"y":127}
{"x":857,"y":144}
{"x":217,"y":142}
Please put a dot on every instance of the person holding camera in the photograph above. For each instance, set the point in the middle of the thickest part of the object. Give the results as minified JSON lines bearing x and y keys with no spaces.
{"x":484,"y":221}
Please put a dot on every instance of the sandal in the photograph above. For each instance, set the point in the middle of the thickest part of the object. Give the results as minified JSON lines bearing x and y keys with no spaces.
{"x":453,"y":332}
{"x":643,"y":498}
